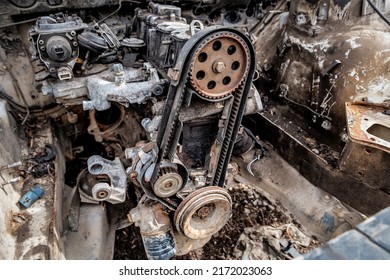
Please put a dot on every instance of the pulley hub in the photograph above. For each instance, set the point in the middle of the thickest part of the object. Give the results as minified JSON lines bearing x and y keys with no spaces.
{"x":203,"y":213}
{"x":168,"y":183}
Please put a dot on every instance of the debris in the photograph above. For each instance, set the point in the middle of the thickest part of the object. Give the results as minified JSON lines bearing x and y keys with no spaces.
{"x":296,"y":235}
{"x":268,"y":242}
{"x":50,"y":154}
{"x":31,"y":196}
{"x":259,"y":229}
{"x":239,"y":179}
{"x":12,"y":165}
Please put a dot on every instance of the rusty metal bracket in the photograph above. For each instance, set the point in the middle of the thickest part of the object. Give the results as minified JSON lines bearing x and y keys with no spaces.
{"x":367,"y":125}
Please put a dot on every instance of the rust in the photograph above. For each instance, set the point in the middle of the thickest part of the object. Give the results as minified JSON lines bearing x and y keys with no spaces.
{"x":203,"y":212}
{"x":361,"y":119}
{"x":133,"y":175}
{"x":168,"y":182}
{"x":219,"y":66}
{"x":102,"y":131}
{"x":148,"y":147}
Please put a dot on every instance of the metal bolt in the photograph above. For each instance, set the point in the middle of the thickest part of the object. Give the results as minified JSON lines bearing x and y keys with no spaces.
{"x":301,"y":19}
{"x":118,"y":68}
{"x":219,"y":67}
{"x":344,"y":137}
{"x":75,"y":44}
{"x":325,"y":200}
{"x":327,"y":125}
{"x":41,"y":42}
{"x":73,"y":33}
{"x":133,"y":175}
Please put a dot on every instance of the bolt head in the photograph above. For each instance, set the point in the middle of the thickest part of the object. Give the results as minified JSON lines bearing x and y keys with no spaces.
{"x":117,"y":67}
{"x":219,"y":67}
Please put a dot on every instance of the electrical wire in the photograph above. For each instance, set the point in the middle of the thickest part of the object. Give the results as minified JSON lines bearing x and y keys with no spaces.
{"x":117,"y":10}
{"x":308,"y":108}
{"x":378,"y":12}
{"x":35,"y":19}
{"x":17,"y":23}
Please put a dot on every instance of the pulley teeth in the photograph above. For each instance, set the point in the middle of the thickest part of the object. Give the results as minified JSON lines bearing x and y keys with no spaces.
{"x":166,"y":170}
{"x":239,"y":77}
{"x":168,"y":182}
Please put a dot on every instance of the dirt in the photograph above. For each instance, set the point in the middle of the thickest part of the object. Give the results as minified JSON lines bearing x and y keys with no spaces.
{"x":250,"y":210}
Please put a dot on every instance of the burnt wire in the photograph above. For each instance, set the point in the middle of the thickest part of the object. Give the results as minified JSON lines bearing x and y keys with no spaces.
{"x":35,"y":19}
{"x":378,"y":12}
{"x":117,"y":10}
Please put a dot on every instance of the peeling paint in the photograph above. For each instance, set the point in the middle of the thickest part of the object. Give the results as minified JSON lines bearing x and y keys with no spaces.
{"x":353,"y":43}
{"x":347,"y":53}
{"x":377,"y":91}
{"x":354,"y":73}
{"x":379,"y":85}
{"x":322,"y":45}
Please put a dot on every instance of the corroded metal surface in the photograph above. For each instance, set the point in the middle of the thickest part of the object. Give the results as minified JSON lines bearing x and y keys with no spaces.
{"x":220,"y":65}
{"x":141,"y":86}
{"x":203,"y":213}
{"x":369,"y":126}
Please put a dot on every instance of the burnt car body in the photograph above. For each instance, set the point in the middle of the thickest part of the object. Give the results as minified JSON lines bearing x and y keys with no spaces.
{"x":116,"y":113}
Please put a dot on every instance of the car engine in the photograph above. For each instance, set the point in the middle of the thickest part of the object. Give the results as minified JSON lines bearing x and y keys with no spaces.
{"x":129,"y":113}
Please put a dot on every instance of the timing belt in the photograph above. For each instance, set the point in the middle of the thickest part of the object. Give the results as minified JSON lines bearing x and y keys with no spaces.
{"x":170,"y":125}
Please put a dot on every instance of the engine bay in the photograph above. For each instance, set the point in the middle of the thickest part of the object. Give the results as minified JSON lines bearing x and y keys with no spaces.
{"x":137,"y":113}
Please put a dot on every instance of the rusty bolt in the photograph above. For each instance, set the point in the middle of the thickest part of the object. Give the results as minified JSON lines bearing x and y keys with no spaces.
{"x":219,"y":67}
{"x":133,"y":175}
